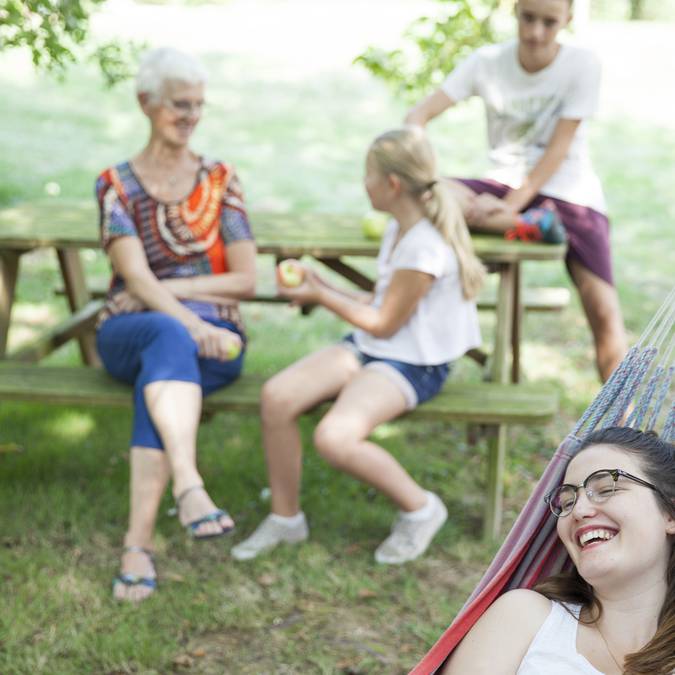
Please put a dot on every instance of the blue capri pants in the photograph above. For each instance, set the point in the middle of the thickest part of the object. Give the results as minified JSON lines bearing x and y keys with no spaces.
{"x":147,"y":347}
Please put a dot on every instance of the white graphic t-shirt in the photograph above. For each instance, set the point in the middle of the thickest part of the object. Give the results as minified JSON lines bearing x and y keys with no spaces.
{"x":522,"y":112}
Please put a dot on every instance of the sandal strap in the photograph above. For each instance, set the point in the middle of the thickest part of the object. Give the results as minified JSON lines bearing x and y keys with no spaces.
{"x":208,"y":518}
{"x":175,"y":509}
{"x":139,"y":549}
{"x":187,"y":491}
{"x":135,"y":580}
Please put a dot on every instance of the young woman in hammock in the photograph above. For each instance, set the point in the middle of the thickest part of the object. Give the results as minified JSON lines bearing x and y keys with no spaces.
{"x":614,"y":611}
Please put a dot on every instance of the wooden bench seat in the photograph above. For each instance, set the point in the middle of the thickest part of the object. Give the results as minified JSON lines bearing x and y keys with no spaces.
{"x":542,"y":299}
{"x":478,"y":402}
{"x":485,"y":403}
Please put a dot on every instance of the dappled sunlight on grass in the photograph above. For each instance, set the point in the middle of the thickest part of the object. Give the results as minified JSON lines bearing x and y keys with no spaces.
{"x":550,"y":362}
{"x":72,"y":426}
{"x":29,"y":320}
{"x":386,"y":431}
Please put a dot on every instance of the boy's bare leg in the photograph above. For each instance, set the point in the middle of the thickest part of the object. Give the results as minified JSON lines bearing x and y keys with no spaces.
{"x":496,"y":223}
{"x":601,"y":305}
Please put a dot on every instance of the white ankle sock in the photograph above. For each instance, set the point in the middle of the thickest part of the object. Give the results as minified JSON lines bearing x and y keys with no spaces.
{"x":289,"y":521}
{"x":423,"y":513}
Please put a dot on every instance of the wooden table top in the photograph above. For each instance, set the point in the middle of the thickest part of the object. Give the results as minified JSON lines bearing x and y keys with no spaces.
{"x":60,"y":223}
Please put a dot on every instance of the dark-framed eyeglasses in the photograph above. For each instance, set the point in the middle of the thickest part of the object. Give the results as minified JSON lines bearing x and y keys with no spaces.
{"x":599,"y":487}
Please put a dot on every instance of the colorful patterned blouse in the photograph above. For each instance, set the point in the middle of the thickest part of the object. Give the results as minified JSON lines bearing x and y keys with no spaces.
{"x":181,"y":239}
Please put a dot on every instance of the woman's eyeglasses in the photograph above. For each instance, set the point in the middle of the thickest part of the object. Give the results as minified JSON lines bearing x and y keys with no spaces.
{"x":183,"y":107}
{"x":599,"y":487}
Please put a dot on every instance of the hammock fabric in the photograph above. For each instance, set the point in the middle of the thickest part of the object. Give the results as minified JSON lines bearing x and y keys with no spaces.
{"x":532,"y":551}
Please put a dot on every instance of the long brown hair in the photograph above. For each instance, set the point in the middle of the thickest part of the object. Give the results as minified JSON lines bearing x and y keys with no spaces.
{"x":407,"y":153}
{"x":657,"y":459}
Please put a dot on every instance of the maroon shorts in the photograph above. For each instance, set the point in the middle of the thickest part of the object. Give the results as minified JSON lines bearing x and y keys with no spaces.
{"x":587,"y":229}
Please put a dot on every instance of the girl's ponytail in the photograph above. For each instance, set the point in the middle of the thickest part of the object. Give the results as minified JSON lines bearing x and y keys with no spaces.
{"x":407,"y":153}
{"x":443,"y":210}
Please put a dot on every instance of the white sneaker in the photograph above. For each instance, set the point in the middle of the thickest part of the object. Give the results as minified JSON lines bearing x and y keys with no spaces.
{"x":267,"y":535}
{"x":409,"y":539}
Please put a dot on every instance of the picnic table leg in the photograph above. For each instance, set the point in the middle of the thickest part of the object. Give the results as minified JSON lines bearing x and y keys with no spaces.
{"x":495,"y":482}
{"x":348,"y":272}
{"x":516,"y":324}
{"x":500,"y":373}
{"x":9,"y":271}
{"x":506,"y":297}
{"x":78,"y":296}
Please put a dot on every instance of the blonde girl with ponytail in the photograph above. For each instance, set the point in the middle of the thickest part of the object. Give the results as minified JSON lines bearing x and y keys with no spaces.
{"x":419,"y":319}
{"x":407,"y":153}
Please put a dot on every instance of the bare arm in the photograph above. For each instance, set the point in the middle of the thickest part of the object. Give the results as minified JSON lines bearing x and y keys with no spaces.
{"x":430,"y":107}
{"x":500,"y":639}
{"x":486,"y":206}
{"x":364,"y":297}
{"x":236,"y":284}
{"x":405,"y":291}
{"x":549,"y":163}
{"x":129,"y":261}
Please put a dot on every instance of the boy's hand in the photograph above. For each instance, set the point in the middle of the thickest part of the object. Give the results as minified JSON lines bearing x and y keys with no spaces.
{"x":485,"y":206}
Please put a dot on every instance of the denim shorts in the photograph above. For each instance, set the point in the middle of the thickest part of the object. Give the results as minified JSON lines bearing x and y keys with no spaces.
{"x":417,"y":383}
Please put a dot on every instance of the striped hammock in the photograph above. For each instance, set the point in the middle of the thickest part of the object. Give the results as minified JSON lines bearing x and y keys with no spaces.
{"x":532,"y":551}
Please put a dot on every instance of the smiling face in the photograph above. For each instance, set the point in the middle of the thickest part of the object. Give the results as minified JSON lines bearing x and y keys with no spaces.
{"x":627,"y":537}
{"x":539,"y":22}
{"x":177,"y":113}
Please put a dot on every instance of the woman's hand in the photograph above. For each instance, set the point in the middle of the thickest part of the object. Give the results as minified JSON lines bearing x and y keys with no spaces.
{"x":485,"y":206}
{"x":214,"y":342}
{"x":127,"y":303}
{"x":307,"y":293}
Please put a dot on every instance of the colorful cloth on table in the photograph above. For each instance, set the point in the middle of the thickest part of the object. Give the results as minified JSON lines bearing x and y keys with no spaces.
{"x":587,"y":229}
{"x":183,"y":238}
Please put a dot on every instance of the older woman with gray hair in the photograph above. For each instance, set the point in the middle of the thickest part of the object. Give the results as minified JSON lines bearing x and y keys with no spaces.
{"x":175,"y":229}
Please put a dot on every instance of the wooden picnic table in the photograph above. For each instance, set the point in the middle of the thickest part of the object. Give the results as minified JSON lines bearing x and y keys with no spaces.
{"x":69,"y":225}
{"x":335,"y":240}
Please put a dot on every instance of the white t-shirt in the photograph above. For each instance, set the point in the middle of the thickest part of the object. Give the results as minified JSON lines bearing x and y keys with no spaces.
{"x":553,"y":651}
{"x":522,"y":112}
{"x":444,"y":325}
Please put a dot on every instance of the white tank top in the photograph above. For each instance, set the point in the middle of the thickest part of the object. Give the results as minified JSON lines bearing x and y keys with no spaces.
{"x":554,"y":648}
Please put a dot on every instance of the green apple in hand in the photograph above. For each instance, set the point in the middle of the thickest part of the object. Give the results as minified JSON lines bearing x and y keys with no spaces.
{"x":291,"y":273}
{"x":374,"y":224}
{"x":233,"y":350}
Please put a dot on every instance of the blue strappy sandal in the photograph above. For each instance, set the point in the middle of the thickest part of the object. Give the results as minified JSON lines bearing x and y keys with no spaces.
{"x":134,"y":579}
{"x":194,"y":525}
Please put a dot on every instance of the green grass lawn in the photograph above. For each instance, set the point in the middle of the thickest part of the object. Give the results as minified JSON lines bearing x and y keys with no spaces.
{"x":298,"y":138}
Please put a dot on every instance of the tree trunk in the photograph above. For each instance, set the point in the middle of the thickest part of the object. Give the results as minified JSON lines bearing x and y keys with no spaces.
{"x":637,"y":10}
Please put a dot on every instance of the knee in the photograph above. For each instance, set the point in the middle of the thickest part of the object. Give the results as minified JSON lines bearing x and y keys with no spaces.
{"x":171,"y":335}
{"x":277,"y":401}
{"x":334,"y":442}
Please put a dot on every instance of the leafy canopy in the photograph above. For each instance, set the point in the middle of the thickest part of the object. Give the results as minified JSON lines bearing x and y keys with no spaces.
{"x":432,"y":46}
{"x":55,"y":32}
